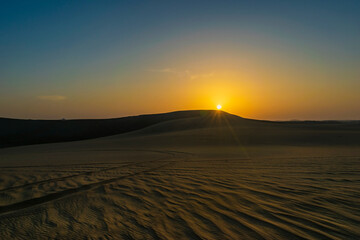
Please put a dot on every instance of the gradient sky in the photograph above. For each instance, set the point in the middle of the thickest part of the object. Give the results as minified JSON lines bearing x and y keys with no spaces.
{"x":275,"y":60}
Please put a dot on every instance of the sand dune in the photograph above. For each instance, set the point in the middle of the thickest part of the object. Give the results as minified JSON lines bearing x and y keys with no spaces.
{"x":224,"y":127}
{"x":193,"y":178}
{"x":16,"y":132}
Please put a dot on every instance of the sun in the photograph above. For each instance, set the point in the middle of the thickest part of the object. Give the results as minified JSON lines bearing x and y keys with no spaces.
{"x":218,"y":106}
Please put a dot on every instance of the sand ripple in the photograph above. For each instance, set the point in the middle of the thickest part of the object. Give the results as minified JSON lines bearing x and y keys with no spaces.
{"x":185,"y":197}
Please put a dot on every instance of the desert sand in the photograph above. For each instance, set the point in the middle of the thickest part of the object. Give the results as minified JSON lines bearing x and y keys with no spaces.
{"x":207,"y":176}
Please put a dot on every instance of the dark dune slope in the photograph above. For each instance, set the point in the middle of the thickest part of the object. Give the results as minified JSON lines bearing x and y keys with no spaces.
{"x":16,"y":132}
{"x":196,"y":127}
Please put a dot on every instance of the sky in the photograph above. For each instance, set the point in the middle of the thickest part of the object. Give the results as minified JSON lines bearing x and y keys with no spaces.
{"x":275,"y":60}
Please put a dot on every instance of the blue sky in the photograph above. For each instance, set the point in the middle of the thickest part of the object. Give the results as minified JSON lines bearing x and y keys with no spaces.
{"x":57,"y":57}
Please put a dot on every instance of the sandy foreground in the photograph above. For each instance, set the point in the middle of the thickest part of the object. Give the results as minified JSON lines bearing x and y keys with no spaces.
{"x":97,"y":190}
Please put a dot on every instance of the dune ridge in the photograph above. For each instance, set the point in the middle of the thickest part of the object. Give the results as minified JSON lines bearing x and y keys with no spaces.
{"x":14,"y":132}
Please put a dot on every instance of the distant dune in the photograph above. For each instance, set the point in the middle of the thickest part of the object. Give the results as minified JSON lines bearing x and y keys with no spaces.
{"x":216,"y":126}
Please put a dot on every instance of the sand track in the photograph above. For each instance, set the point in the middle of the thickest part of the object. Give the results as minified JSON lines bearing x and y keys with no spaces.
{"x":54,"y":196}
{"x":162,"y":162}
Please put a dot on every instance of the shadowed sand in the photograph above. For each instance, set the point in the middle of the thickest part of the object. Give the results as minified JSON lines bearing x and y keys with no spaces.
{"x":211,"y":176}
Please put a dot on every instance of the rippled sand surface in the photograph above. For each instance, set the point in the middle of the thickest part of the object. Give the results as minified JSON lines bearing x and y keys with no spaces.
{"x":169,"y":194}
